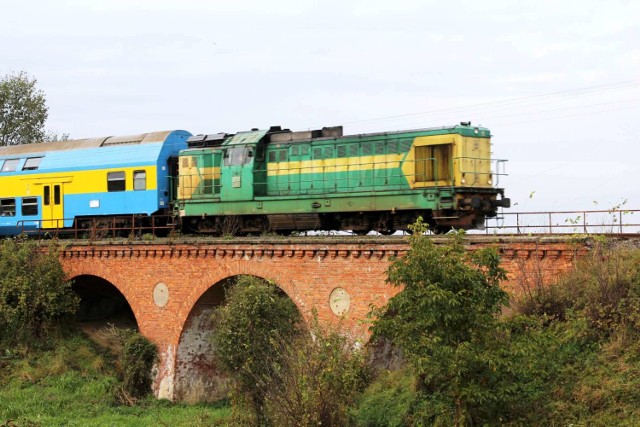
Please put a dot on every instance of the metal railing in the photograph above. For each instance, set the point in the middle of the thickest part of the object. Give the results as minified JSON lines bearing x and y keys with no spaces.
{"x":134,"y":226}
{"x":613,"y":221}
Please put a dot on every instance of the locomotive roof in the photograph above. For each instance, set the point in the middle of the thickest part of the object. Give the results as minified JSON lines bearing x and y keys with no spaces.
{"x":76,"y":144}
{"x":278,"y":135}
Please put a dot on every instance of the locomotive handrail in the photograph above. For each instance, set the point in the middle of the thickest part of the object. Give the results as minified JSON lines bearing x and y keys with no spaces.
{"x":294,"y":174}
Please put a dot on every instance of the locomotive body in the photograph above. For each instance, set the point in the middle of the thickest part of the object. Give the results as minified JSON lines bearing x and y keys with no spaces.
{"x":321,"y":180}
{"x":69,"y":183}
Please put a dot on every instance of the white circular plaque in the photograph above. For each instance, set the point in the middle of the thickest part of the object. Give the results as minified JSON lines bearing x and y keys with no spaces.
{"x":161,"y":294}
{"x":339,"y":301}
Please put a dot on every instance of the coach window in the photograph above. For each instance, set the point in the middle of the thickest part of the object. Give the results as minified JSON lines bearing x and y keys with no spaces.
{"x":115,"y":181}
{"x":317,"y":153}
{"x":29,"y":206}
{"x":8,"y":207}
{"x":31,"y":164}
{"x":10,"y":165}
{"x":342,"y":151}
{"x":139,"y":180}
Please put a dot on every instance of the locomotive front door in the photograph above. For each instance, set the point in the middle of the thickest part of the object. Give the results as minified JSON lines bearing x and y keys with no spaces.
{"x":52,"y":206}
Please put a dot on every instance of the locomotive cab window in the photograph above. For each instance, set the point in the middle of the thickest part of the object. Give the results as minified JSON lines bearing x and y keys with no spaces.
{"x":139,"y":180}
{"x":237,"y":156}
{"x":31,"y":164}
{"x":116,"y":181}
{"x":29,"y":206}
{"x":10,"y":165}
{"x":8,"y":207}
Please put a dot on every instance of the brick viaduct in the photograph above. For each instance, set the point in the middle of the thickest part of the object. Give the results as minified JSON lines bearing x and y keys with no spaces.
{"x":172,"y":287}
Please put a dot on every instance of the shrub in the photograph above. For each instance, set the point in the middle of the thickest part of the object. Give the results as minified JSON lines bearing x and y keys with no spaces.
{"x":283,"y":374}
{"x":248,"y":333}
{"x":35,"y":299}
{"x":138,"y":356}
{"x":322,"y":375}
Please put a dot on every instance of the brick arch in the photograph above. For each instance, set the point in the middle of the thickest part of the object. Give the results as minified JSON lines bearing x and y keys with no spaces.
{"x":127,"y":291}
{"x":243,"y":267}
{"x":197,"y":377}
{"x":93,"y":276}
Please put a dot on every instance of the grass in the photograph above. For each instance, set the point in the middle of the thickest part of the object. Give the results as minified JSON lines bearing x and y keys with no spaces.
{"x":73,"y":384}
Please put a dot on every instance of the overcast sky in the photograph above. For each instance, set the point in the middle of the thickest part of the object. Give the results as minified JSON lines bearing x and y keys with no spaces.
{"x":557,"y":82}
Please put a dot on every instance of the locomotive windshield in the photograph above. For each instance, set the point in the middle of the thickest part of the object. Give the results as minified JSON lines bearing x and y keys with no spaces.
{"x":237,"y":156}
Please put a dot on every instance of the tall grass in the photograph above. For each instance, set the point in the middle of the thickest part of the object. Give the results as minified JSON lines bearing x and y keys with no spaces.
{"x":73,"y":385}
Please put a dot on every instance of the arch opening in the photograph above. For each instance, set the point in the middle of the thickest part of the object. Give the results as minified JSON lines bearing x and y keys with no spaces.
{"x":102,"y":306}
{"x":197,"y":378}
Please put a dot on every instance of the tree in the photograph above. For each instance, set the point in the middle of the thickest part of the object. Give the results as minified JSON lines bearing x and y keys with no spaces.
{"x":445,"y":321}
{"x":23,"y":110}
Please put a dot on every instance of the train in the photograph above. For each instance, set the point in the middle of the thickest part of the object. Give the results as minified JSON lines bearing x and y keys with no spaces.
{"x":252,"y":182}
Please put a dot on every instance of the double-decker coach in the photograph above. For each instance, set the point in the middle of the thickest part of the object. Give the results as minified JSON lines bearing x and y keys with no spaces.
{"x":75,"y":183}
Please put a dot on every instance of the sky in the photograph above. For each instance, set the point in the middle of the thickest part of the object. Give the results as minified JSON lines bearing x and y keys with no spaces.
{"x":556,"y":82}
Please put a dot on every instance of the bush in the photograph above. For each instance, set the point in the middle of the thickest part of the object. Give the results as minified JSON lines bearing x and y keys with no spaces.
{"x":322,"y":375}
{"x":248,"y":333}
{"x":135,"y":356}
{"x":138,"y":356}
{"x":35,"y":299}
{"x":283,"y":374}
{"x":388,"y":401}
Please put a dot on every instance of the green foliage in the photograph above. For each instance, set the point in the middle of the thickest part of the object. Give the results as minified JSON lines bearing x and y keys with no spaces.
{"x":135,"y":356}
{"x":283,"y":375}
{"x":321,"y":378}
{"x":445,"y":321}
{"x":138,"y":356}
{"x":35,"y":299}
{"x":568,"y":355}
{"x":248,"y":334}
{"x":23,"y":110}
{"x":387,"y":402}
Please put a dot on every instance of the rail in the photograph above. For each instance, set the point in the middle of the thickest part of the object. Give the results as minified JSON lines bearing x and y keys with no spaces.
{"x":612,"y":221}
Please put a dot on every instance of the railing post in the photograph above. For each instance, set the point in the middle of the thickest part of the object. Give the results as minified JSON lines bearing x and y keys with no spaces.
{"x":620,"y":213}
{"x":550,"y":227}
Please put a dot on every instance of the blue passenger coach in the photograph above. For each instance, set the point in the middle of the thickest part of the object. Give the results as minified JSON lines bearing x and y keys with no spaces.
{"x":69,"y":183}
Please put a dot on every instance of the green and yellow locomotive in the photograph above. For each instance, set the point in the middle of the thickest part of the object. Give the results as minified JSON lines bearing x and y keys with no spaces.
{"x":285,"y":181}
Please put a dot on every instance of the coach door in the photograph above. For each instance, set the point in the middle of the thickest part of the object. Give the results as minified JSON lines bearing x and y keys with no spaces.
{"x":52,"y":206}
